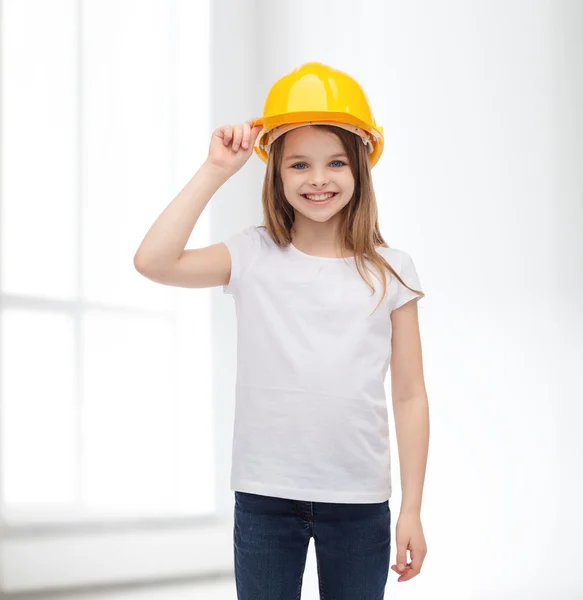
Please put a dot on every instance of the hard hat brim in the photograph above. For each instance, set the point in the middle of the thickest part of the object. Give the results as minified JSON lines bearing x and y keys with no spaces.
{"x":305,"y":118}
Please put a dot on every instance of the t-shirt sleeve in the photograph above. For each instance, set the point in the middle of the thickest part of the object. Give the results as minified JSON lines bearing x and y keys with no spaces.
{"x":408,"y":274}
{"x":243,"y":247}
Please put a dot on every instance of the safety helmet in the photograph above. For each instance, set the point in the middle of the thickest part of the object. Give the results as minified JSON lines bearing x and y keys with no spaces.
{"x":316,"y":94}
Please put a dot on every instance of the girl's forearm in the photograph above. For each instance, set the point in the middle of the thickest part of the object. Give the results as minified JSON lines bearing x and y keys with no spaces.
{"x":412,"y":428}
{"x":167,"y":237}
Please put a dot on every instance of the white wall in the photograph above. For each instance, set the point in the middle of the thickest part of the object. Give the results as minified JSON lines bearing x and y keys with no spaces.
{"x":566,"y":318}
{"x":481,"y":182}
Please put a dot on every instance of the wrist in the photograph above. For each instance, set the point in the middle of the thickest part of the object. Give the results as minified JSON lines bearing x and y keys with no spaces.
{"x":410,"y":509}
{"x":220,"y":174}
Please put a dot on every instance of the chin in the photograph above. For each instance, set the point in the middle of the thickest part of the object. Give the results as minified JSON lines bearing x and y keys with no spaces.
{"x":318,"y":215}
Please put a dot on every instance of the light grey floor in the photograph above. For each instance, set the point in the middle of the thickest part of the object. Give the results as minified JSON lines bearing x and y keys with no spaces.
{"x":223,"y":590}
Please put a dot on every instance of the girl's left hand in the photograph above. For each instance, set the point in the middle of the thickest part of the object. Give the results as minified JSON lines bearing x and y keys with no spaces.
{"x":409,"y":534}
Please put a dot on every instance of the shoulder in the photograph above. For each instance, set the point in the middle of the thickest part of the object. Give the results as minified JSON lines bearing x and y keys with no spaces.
{"x":258,"y":232}
{"x":252,"y":234}
{"x":251,"y":241}
{"x":263,"y":238}
{"x":394,"y":256}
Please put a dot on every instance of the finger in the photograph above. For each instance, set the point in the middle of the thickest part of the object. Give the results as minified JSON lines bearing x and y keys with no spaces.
{"x":255,"y":129}
{"x":246,"y":135}
{"x":237,"y":135}
{"x":399,"y":571}
{"x":401,"y":558}
{"x":417,"y":558}
{"x":408,"y":575}
{"x":227,"y":134}
{"x":411,"y":569}
{"x":403,"y":574}
{"x":255,"y":132}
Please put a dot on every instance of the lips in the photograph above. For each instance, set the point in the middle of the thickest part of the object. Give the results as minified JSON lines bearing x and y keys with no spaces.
{"x":320,"y":202}
{"x":319,"y":194}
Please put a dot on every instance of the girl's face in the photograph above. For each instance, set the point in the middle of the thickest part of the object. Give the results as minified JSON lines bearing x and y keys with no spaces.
{"x":314,"y":162}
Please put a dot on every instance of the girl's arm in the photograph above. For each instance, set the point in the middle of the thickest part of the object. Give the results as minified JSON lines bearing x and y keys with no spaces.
{"x":167,"y":237}
{"x":161,"y":256}
{"x":410,"y":405}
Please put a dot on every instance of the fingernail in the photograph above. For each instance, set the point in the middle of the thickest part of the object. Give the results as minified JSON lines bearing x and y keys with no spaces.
{"x":400,"y":567}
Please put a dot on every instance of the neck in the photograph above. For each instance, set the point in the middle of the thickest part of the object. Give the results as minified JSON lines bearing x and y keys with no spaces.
{"x":319,"y":239}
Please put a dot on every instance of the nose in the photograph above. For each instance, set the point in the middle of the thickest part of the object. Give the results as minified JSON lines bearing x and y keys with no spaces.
{"x":319,"y":180}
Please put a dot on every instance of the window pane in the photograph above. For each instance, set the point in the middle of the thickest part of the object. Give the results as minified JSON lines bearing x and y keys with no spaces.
{"x":39,"y":412}
{"x":143,"y":79}
{"x":127,"y":103}
{"x":129,"y":415}
{"x":196,"y":461}
{"x":39,"y":147}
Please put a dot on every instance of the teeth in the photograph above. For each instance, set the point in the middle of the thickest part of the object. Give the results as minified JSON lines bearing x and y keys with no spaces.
{"x":319,"y":196}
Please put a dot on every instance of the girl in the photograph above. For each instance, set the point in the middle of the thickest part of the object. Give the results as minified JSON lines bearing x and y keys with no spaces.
{"x":315,"y":338}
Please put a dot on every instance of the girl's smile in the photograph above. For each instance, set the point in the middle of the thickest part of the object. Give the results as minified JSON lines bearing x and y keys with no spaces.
{"x":319,"y":199}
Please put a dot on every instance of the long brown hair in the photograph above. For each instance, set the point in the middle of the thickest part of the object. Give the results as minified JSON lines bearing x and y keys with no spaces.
{"x":359,"y":228}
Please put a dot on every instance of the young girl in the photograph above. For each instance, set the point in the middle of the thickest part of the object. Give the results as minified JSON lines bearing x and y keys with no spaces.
{"x":315,"y":338}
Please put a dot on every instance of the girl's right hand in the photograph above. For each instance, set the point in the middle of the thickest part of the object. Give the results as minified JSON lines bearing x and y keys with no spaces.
{"x":232,"y":145}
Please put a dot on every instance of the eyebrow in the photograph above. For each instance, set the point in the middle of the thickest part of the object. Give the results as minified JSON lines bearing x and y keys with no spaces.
{"x":296,"y":156}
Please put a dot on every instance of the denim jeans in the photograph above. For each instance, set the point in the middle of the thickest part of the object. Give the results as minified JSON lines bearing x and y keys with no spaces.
{"x":271,"y":537}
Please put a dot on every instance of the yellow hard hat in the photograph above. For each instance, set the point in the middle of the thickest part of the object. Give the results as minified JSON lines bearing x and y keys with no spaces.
{"x":316,"y":94}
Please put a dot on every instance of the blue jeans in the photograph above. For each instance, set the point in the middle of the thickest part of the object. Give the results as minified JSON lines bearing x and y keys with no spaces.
{"x":271,"y":537}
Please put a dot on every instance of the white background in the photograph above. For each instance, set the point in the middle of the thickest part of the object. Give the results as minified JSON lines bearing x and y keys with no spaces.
{"x":481,"y":182}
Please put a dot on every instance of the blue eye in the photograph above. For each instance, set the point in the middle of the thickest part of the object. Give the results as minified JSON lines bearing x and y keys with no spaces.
{"x":303,"y":163}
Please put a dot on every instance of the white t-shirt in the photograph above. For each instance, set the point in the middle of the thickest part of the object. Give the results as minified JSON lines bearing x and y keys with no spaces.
{"x":311,"y":418}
